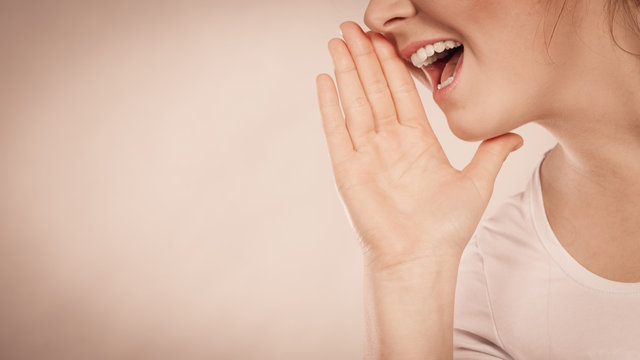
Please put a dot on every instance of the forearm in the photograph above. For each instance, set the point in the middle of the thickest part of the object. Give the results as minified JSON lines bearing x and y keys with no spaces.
{"x":409,"y":311}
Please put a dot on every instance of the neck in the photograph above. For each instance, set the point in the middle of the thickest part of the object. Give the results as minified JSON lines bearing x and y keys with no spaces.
{"x":597,"y":124}
{"x":601,"y":150}
{"x":591,"y":188}
{"x":590,"y":180}
{"x":594,"y":170}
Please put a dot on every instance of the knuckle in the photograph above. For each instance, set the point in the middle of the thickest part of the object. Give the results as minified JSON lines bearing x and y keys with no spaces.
{"x":363,"y":52}
{"x":378,"y":87}
{"x":404,"y":87}
{"x":387,"y":118}
{"x":360,"y":101}
{"x":345,"y":69}
{"x":332,"y":131}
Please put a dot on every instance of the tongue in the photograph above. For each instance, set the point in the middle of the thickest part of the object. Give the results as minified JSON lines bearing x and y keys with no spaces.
{"x":450,"y":67}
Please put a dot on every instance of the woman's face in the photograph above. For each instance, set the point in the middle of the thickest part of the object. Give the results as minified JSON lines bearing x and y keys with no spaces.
{"x":507,"y":77}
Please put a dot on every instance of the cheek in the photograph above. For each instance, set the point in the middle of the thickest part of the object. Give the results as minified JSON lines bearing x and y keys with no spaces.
{"x":483,"y":13}
{"x":496,"y":96}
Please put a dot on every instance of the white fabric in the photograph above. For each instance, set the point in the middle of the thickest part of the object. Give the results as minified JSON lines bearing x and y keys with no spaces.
{"x":520,"y":295}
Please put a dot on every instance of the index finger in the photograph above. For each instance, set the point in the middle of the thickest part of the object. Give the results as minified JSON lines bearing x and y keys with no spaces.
{"x":403,"y":90}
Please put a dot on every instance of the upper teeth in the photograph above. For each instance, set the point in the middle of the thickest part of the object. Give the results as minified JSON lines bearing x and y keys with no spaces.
{"x":432,"y":52}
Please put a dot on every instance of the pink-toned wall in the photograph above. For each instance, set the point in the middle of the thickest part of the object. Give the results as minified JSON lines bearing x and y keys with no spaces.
{"x":165,"y":190}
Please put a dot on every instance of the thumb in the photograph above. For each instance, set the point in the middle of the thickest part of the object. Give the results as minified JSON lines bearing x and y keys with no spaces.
{"x":487,"y":162}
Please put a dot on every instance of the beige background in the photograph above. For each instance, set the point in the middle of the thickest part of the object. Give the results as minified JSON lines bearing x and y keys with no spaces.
{"x":165,"y":190}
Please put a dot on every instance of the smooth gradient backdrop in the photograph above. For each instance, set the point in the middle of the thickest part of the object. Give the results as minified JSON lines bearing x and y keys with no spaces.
{"x":165,"y":188}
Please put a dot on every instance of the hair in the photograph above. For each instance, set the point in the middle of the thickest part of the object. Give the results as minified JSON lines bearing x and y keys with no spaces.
{"x":630,"y":10}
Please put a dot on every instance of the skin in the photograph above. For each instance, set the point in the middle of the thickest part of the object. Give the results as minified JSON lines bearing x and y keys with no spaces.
{"x":584,"y":90}
{"x":412,"y":210}
{"x":414,"y":213}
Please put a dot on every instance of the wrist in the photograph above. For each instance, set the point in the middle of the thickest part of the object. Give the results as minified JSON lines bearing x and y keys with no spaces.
{"x":416,"y":267}
{"x":409,"y":307}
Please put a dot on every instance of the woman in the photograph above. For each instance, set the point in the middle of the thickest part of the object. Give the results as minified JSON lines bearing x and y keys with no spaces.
{"x":555,"y":272}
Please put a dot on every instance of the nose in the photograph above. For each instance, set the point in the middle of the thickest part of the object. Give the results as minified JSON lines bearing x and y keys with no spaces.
{"x":383,"y":15}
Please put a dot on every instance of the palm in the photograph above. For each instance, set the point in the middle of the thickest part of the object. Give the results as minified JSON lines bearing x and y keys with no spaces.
{"x":407,"y":182}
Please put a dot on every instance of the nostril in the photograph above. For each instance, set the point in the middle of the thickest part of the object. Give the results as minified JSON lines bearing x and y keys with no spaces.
{"x":390,"y":21}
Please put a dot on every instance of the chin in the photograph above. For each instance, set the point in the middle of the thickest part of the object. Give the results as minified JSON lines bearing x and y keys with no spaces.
{"x":473,"y":128}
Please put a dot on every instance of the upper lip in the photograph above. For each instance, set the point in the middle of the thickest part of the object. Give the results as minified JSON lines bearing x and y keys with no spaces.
{"x":414,"y":46}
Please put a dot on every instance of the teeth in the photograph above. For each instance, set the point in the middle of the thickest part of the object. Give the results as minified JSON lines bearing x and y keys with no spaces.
{"x":446,"y":82}
{"x":422,"y":54}
{"x":415,"y":60}
{"x":431,"y":53}
{"x":430,"y":50}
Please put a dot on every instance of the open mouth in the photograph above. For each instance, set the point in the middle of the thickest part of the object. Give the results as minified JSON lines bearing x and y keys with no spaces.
{"x":440,"y":61}
{"x":443,"y":71}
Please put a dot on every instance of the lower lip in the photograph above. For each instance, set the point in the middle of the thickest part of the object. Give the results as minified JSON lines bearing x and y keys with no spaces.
{"x":441,"y":94}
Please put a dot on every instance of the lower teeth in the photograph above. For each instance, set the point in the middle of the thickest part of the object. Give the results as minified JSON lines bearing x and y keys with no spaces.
{"x":446,"y":82}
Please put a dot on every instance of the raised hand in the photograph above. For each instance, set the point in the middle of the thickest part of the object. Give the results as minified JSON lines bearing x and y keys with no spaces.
{"x":404,"y":199}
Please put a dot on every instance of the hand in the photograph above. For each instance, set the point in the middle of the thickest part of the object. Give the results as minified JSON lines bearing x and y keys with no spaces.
{"x":404,"y":199}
